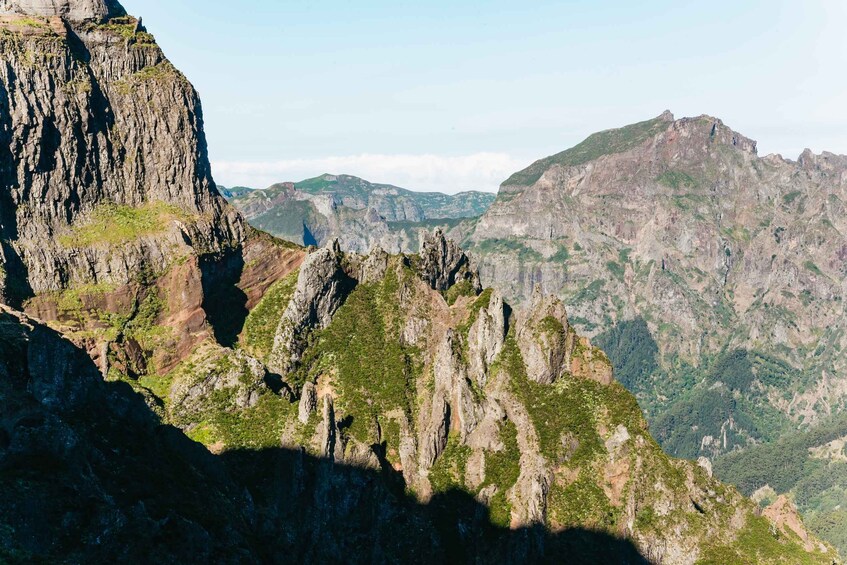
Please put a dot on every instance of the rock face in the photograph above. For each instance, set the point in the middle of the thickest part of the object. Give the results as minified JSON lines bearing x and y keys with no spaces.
{"x":443,"y":263}
{"x":103,"y":152}
{"x":72,"y":10}
{"x":322,"y":286}
{"x":545,"y":340}
{"x":360,"y":214}
{"x":681,"y":250}
{"x":110,"y":219}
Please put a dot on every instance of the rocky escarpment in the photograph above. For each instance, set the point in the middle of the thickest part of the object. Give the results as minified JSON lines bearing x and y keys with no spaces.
{"x":71,"y":10}
{"x":111,"y":227}
{"x":712,"y":276}
{"x":360,"y":214}
{"x":454,"y":392}
{"x":102,"y":150}
{"x":679,"y":230}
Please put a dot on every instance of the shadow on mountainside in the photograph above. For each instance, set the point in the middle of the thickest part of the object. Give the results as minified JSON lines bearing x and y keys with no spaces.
{"x":89,"y":474}
{"x":224,"y":303}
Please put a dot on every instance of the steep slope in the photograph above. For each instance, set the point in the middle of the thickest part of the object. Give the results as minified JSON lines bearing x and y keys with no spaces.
{"x":358,"y":213}
{"x":713,"y":277}
{"x":109,"y":217}
{"x":401,"y":364}
{"x":722,"y":253}
{"x":810,"y":466}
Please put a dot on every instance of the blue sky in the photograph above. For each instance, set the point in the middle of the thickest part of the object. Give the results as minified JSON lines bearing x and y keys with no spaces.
{"x":454,"y":95}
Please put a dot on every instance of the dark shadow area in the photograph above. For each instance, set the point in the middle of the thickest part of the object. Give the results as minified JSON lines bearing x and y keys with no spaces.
{"x":89,"y":474}
{"x":224,"y":303}
{"x":308,"y":237}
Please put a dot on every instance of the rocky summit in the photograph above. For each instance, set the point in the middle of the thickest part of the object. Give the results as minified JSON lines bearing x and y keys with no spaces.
{"x":177,"y":387}
{"x":712,"y":276}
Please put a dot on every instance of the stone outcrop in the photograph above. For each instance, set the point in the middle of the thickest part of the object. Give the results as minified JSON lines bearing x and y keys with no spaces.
{"x":322,"y":286}
{"x":72,"y":10}
{"x":217,"y":371}
{"x":486,"y":338}
{"x":545,"y":339}
{"x":442,"y":263}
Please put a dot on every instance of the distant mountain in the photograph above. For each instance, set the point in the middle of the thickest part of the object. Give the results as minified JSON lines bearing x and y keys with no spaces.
{"x":714,"y":278}
{"x":360,"y":213}
{"x":177,"y":387}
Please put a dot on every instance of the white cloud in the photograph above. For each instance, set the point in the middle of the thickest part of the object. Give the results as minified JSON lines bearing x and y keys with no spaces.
{"x":478,"y":171}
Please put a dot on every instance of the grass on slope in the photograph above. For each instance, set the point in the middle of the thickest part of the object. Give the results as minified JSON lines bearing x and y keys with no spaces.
{"x":596,"y":145}
{"x":114,"y":224}
{"x":261,"y":324}
{"x":362,"y":350}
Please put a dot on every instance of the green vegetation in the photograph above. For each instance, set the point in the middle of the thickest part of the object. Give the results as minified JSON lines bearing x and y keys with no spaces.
{"x":582,"y":503}
{"x":733,"y":369}
{"x":596,"y":145}
{"x":31,"y":22}
{"x":125,"y":27}
{"x":254,"y":428}
{"x":261,"y":324}
{"x":759,"y":542}
{"x":818,"y":485}
{"x":789,"y":198}
{"x":588,"y":293}
{"x":113,"y":224}
{"x":461,"y":288}
{"x":510,"y":246}
{"x":632,"y":350}
{"x":361,"y":348}
{"x":448,"y":471}
{"x":616,"y":269}
{"x":676,"y":179}
{"x":502,"y":468}
{"x":810,"y":266}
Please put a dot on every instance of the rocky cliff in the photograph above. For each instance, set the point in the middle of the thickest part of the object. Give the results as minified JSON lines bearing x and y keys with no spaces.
{"x":109,"y":217}
{"x":680,"y":223}
{"x":360,"y":214}
{"x":377,"y":408}
{"x":104,"y":162}
{"x":713,"y":277}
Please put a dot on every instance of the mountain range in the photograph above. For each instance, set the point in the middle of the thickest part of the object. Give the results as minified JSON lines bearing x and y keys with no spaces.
{"x":178,"y":386}
{"x":360,"y":214}
{"x":713,"y":278}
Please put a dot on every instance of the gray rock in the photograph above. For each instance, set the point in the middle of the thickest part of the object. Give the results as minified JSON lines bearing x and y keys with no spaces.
{"x":705,"y":464}
{"x":119,"y":126}
{"x":330,"y":440}
{"x":544,"y":339}
{"x":72,"y":10}
{"x":243,"y":377}
{"x":443,"y":263}
{"x":308,"y":402}
{"x":486,"y":338}
{"x":322,"y":287}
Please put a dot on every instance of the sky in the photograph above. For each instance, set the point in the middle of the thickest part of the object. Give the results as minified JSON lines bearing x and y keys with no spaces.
{"x":456,"y":95}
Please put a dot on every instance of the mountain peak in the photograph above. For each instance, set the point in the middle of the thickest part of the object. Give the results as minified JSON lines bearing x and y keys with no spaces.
{"x":666,"y":116}
{"x":71,"y":10}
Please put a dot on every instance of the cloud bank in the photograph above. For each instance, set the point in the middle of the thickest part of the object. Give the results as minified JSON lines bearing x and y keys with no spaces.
{"x":477,"y":171}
